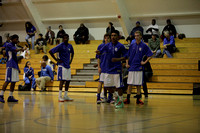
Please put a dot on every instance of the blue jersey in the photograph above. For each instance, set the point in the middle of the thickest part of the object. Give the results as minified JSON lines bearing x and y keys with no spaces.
{"x":28,"y":72}
{"x":113,"y":51}
{"x":64,"y":52}
{"x":102,"y":58}
{"x":171,"y":41}
{"x":31,"y":30}
{"x":46,"y":71}
{"x":136,"y":53}
{"x":11,"y":56}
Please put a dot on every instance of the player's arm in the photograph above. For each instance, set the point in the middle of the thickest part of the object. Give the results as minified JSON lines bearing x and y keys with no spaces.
{"x":53,"y":56}
{"x":71,"y":57}
{"x":147,"y":60}
{"x":98,"y":63}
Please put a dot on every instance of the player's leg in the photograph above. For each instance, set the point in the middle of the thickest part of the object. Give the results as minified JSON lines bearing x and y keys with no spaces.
{"x":99,"y":92}
{"x":127,"y":100}
{"x":139,"y":101}
{"x":66,"y":97}
{"x":11,"y":98}
{"x":3,"y":91}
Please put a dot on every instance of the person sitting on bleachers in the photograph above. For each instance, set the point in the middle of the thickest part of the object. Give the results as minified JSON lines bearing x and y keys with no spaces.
{"x":169,"y":27}
{"x":81,"y":35}
{"x":50,"y":63}
{"x":169,"y":44}
{"x":132,"y":34}
{"x":40,"y":44}
{"x":154,"y":45}
{"x":110,"y":28}
{"x":45,"y":76}
{"x":28,"y":77}
{"x":59,"y":37}
{"x":151,"y":29}
{"x":50,"y":36}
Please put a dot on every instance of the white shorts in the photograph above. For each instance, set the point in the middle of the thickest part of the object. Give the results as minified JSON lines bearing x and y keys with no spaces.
{"x":12,"y":75}
{"x":113,"y":80}
{"x":135,"y":78}
{"x":102,"y":77}
{"x":63,"y":73}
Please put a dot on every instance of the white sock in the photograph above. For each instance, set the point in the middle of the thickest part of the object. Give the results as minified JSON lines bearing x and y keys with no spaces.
{"x":66,"y":93}
{"x":115,"y":94}
{"x":2,"y":93}
{"x":121,"y":98}
{"x":11,"y":93}
{"x":60,"y":93}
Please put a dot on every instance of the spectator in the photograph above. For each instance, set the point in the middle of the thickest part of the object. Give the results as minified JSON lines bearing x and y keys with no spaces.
{"x":81,"y":35}
{"x":110,"y":28}
{"x":30,"y":30}
{"x":60,"y":34}
{"x":151,"y":29}
{"x":169,"y":44}
{"x":169,"y":27}
{"x":132,"y":34}
{"x":40,"y":44}
{"x":28,"y":77}
{"x":50,"y":63}
{"x":154,"y":45}
{"x":50,"y":36}
{"x":46,"y":76}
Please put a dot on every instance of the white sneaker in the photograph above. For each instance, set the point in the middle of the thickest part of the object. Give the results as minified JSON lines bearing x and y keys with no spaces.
{"x":32,"y":89}
{"x":60,"y":99}
{"x":66,"y":98}
{"x":104,"y":100}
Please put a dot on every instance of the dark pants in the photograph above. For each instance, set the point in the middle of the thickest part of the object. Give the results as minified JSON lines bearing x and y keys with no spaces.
{"x":147,"y":76}
{"x":80,"y":39}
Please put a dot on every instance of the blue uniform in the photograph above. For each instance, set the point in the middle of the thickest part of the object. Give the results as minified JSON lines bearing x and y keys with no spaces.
{"x":102,"y":58}
{"x":64,"y":53}
{"x":46,"y":71}
{"x":11,"y":56}
{"x":171,"y":41}
{"x":113,"y":51}
{"x":31,"y":30}
{"x":136,"y":53}
{"x":29,"y":72}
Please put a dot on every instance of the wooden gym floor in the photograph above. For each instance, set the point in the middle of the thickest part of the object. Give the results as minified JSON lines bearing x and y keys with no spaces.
{"x":39,"y":112}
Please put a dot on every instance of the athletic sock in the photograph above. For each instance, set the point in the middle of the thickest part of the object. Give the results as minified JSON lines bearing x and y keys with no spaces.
{"x":11,"y":93}
{"x":60,"y":93}
{"x":2,"y":93}
{"x":98,"y":96}
{"x":65,"y":93}
{"x":128,"y":96}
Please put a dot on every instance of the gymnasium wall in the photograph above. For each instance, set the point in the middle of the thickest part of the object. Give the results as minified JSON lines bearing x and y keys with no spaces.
{"x":96,"y":14}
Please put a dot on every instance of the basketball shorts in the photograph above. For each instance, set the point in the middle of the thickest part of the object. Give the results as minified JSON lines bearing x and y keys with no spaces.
{"x":12,"y":75}
{"x":135,"y":78}
{"x":63,"y":73}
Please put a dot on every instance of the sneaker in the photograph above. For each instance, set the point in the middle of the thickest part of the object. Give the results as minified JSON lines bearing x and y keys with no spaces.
{"x":66,"y":98}
{"x":126,"y":101}
{"x":139,"y":102}
{"x":112,"y":101}
{"x":2,"y":99}
{"x":60,"y":99}
{"x":12,"y":99}
{"x":32,"y":89}
{"x":120,"y":104}
{"x":104,"y":100}
{"x":98,"y":101}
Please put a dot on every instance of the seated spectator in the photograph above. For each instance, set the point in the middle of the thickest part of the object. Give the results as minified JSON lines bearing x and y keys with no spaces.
{"x":151,"y":29}
{"x":30,"y":30}
{"x":50,"y":36}
{"x":169,"y":44}
{"x":154,"y":45}
{"x":60,"y":34}
{"x":81,"y":35}
{"x":50,"y":63}
{"x":28,"y":77}
{"x":40,"y":44}
{"x":169,"y":27}
{"x":132,"y":34}
{"x":110,"y":28}
{"x":45,"y":76}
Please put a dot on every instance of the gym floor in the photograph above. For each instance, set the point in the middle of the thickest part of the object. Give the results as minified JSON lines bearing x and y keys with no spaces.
{"x":41,"y":112}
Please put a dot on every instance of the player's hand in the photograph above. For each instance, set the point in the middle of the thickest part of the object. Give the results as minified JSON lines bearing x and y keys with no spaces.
{"x":98,"y":52}
{"x":127,"y":65}
{"x":99,"y":70}
{"x":114,"y":60}
{"x":165,"y":46}
{"x":143,"y":63}
{"x":59,"y":61}
{"x":95,"y":65}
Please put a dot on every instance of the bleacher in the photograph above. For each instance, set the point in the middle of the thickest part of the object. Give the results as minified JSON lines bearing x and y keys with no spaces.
{"x":171,"y":75}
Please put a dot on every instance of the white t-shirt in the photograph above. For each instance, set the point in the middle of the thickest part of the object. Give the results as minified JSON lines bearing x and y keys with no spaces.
{"x":154,"y":31}
{"x":50,"y":64}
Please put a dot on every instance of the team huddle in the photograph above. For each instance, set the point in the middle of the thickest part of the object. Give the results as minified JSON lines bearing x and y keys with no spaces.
{"x":110,"y":54}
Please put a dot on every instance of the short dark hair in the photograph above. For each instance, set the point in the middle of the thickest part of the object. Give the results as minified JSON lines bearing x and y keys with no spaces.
{"x":138,"y":32}
{"x":105,"y":35}
{"x":66,"y":35}
{"x":45,"y":57}
{"x":40,"y":35}
{"x":168,"y":21}
{"x":111,"y":23}
{"x":14,"y":36}
{"x":115,"y":31}
{"x":60,"y":26}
